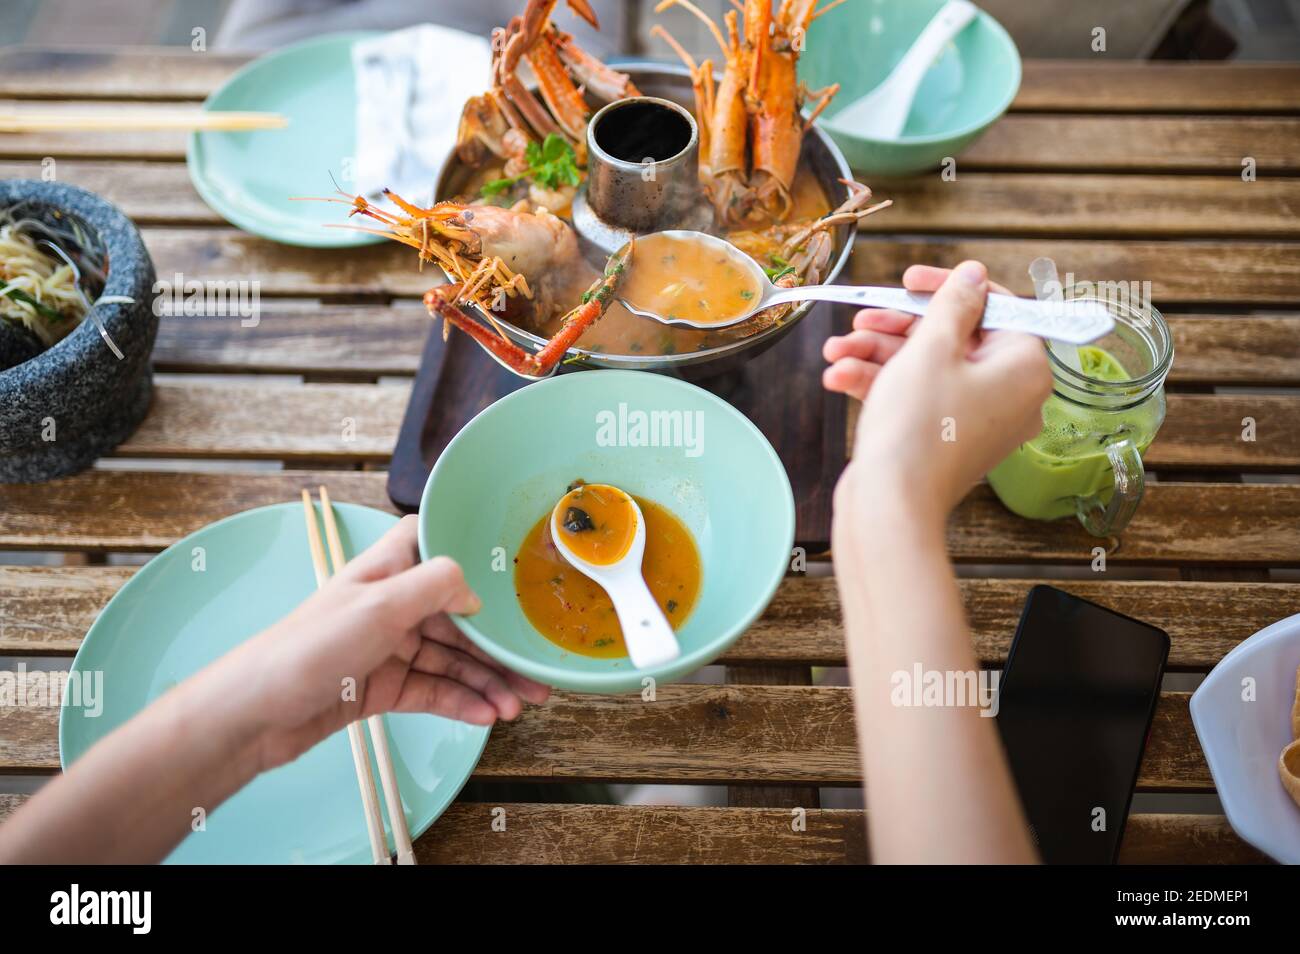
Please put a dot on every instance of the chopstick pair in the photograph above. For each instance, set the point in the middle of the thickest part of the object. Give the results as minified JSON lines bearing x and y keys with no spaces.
{"x":356,"y":734}
{"x":137,"y":120}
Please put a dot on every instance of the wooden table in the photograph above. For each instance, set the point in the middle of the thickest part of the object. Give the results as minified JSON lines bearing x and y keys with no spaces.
{"x":1121,"y":171}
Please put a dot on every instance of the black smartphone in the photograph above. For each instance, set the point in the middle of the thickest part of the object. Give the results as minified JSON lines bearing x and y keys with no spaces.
{"x":1074,"y":708}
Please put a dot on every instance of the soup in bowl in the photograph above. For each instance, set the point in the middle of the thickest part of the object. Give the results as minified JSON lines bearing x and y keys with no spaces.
{"x":657,"y":438}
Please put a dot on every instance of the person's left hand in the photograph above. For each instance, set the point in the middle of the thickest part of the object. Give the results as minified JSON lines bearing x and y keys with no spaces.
{"x":376,"y":638}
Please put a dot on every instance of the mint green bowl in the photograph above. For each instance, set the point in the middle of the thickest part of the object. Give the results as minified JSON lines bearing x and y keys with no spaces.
{"x":970,"y":85}
{"x":509,"y":465}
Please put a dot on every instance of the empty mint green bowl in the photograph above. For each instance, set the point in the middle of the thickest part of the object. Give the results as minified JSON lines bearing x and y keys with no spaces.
{"x":969,"y":86}
{"x":509,"y":465}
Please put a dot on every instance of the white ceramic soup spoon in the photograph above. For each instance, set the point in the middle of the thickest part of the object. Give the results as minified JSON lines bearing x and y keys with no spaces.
{"x":882,"y":113}
{"x":646,"y":631}
{"x":1078,"y":321}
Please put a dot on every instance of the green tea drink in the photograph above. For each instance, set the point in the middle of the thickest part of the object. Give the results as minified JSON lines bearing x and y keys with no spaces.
{"x":1042,"y":478}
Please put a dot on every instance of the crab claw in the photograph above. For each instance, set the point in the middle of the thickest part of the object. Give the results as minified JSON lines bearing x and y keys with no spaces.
{"x":583,"y":9}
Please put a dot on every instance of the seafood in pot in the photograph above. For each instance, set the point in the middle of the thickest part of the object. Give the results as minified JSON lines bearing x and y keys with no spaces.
{"x":489,"y":252}
{"x":508,"y":115}
{"x":509,"y":257}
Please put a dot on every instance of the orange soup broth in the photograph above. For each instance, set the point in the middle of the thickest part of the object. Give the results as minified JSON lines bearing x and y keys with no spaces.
{"x":611,"y":522}
{"x":688,"y":279}
{"x":576,"y":614}
{"x":621,"y":332}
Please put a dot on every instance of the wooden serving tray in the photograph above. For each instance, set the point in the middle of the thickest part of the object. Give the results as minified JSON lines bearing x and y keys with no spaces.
{"x":780,"y":390}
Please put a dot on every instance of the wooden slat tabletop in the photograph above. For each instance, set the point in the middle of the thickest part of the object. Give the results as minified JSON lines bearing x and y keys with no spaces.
{"x":51,"y":607}
{"x":1120,"y":171}
{"x":603,"y":834}
{"x":689,"y":733}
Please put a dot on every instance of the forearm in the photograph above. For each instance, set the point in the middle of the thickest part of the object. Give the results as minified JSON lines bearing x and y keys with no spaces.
{"x":132,"y":797}
{"x":939,"y":789}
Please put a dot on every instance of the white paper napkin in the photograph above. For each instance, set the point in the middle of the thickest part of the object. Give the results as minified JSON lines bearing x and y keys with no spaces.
{"x":411,"y":86}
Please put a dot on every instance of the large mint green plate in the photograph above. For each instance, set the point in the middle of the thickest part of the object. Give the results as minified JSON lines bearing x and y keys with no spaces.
{"x":250,"y":178}
{"x":170,"y":620}
{"x":510,"y":464}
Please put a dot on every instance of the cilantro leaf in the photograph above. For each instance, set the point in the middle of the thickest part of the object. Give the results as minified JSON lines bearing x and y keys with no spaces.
{"x":497,"y":186}
{"x":779,"y":268}
{"x":551,"y":164}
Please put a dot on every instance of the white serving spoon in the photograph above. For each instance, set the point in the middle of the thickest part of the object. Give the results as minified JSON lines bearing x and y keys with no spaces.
{"x":1076,"y":322}
{"x":882,"y":113}
{"x":646,"y":631}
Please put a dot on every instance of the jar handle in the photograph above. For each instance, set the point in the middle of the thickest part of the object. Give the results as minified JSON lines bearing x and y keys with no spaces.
{"x":1103,"y":519}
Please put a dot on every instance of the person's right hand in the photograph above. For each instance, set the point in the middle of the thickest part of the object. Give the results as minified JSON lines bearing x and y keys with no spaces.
{"x":943,"y":401}
{"x":376,"y":638}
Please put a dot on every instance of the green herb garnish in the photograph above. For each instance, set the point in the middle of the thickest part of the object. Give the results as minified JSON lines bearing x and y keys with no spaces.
{"x":778,"y":269}
{"x":498,"y":186}
{"x":45,"y":311}
{"x":551,"y":164}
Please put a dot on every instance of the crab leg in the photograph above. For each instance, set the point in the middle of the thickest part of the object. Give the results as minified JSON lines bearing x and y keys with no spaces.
{"x":561,"y":96}
{"x":530,"y":40}
{"x":583,"y":9}
{"x":491,"y":123}
{"x":508,"y":116}
{"x":442,"y":302}
{"x":605,"y":83}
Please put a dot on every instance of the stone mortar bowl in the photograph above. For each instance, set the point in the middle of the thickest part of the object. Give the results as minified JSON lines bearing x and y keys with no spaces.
{"x":79,"y":393}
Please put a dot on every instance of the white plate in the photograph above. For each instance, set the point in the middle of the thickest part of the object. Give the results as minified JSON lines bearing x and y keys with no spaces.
{"x":1242,"y":739}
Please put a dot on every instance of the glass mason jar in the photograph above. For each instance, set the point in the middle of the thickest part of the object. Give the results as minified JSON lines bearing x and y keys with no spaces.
{"x":1097,"y":424}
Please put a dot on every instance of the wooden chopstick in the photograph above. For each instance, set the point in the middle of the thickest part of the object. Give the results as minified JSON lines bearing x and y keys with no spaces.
{"x":360,"y":752}
{"x":138,"y":120}
{"x":378,"y":733}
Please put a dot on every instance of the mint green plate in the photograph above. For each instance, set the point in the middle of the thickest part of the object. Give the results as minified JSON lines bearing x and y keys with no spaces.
{"x":508,"y":466}
{"x":250,"y":178}
{"x":969,"y":86}
{"x":170,"y":620}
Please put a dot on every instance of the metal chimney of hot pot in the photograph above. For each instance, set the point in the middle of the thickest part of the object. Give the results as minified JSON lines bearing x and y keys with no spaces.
{"x":622,"y":198}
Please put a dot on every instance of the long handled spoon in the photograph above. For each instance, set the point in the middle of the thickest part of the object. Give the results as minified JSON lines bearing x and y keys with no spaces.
{"x":646,"y":630}
{"x":1076,"y":322}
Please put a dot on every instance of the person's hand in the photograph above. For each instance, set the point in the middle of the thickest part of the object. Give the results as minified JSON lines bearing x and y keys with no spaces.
{"x":878,"y":334}
{"x":943,"y":401}
{"x":375,"y":639}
